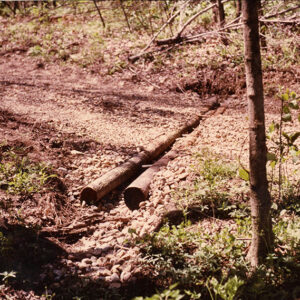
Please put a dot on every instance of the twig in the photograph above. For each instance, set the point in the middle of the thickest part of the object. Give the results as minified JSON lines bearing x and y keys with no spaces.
{"x":297,"y":21}
{"x":124,"y":12}
{"x":196,"y":16}
{"x":282,"y":12}
{"x":99,"y":13}
{"x":136,"y":57}
{"x":195,"y":37}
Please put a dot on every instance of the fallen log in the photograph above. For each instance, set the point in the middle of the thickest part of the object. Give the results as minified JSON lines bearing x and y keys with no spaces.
{"x":119,"y":175}
{"x":138,"y":190}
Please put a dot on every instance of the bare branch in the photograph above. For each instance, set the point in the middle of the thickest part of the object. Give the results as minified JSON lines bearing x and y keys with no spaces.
{"x":282,"y":12}
{"x":136,"y":57}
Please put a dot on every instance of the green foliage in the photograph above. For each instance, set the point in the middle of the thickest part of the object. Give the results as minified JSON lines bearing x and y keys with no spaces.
{"x":19,"y":176}
{"x":227,"y":290}
{"x":6,"y":275}
{"x":168,"y":294}
{"x":244,"y":174}
{"x":210,"y":185}
{"x":48,"y":295}
{"x":5,"y":245}
{"x":283,"y":144}
{"x":189,"y":254}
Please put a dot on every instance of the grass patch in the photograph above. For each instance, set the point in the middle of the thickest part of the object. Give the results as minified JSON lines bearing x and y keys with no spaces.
{"x":18,"y":175}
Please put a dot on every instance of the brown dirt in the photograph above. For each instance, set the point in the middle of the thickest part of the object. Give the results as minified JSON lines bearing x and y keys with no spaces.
{"x":83,"y":126}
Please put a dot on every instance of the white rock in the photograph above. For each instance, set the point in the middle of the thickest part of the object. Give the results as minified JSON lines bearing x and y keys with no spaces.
{"x":113,"y":278}
{"x":125,"y":276}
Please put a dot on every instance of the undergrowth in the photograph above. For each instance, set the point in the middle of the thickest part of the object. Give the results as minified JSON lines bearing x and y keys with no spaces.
{"x":18,"y":175}
{"x":206,"y":256}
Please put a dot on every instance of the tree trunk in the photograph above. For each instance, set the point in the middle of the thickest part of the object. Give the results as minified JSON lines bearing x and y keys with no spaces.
{"x":138,"y":190}
{"x":238,"y":8}
{"x":221,"y":13}
{"x":262,"y":235}
{"x":263,"y":41}
{"x":119,"y":175}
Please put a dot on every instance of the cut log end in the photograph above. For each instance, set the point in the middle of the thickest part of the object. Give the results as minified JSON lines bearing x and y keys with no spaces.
{"x":88,"y":195}
{"x":133,"y":197}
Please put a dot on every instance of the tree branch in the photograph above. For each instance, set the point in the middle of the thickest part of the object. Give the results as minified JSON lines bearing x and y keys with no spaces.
{"x":136,"y":57}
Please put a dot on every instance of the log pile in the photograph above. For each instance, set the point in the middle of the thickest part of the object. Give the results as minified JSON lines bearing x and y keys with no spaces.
{"x":119,"y":175}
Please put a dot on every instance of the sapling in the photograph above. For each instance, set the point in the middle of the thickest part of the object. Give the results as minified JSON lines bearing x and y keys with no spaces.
{"x":284,"y":143}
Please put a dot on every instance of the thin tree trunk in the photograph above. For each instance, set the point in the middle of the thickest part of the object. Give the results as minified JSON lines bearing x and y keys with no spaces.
{"x":221,"y":13}
{"x":263,"y":41}
{"x":262,"y":235}
{"x":99,"y":13}
{"x":238,"y":8}
{"x":125,"y":15}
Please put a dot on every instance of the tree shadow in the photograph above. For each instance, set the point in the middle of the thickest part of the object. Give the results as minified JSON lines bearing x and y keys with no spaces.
{"x":38,"y":262}
{"x":25,"y":252}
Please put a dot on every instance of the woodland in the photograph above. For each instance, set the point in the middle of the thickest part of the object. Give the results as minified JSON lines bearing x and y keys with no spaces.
{"x":149,"y":150}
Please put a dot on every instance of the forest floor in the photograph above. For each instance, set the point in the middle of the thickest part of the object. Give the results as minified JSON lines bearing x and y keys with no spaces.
{"x":83,"y":125}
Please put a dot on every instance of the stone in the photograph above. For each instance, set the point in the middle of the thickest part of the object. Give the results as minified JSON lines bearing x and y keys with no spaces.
{"x":103,"y":272}
{"x":96,"y":251}
{"x":115,"y":268}
{"x":105,"y":247}
{"x":125,"y":276}
{"x":87,"y":261}
{"x":113,"y":278}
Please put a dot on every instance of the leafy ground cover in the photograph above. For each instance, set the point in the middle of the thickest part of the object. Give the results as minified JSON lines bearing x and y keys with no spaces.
{"x":208,"y":260}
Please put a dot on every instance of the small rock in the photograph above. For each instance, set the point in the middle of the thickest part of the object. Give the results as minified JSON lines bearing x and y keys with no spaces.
{"x":75,"y":152}
{"x":113,"y":278}
{"x":125,"y":276}
{"x":87,"y":261}
{"x":82,"y":265}
{"x":105,"y":247}
{"x":103,"y":272}
{"x":96,"y":251}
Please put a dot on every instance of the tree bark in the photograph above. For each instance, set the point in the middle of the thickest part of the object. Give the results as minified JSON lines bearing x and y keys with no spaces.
{"x":138,"y":190}
{"x":262,"y":235}
{"x":99,"y":13}
{"x":263,"y":41}
{"x":109,"y":181}
{"x":238,"y":8}
{"x":221,"y":13}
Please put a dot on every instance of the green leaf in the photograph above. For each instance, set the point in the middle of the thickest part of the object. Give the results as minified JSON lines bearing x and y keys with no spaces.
{"x":293,"y":95}
{"x":271,"y":157}
{"x":244,"y":174}
{"x":294,"y":136}
{"x":286,"y":109}
{"x":294,"y":104}
{"x":272,"y":127}
{"x":273,"y":164}
{"x":286,"y":136}
{"x":285,"y":97}
{"x":286,"y":118}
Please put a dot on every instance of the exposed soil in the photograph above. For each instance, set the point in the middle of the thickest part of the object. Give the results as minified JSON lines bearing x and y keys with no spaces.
{"x":83,"y":126}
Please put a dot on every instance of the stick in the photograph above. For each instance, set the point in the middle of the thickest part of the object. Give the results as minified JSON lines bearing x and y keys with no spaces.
{"x":282,"y":12}
{"x":136,"y":57}
{"x":99,"y":13}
